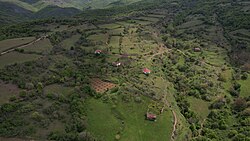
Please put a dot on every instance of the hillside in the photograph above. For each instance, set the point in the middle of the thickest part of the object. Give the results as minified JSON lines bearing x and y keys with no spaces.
{"x":153,"y":70}
{"x":36,"y":5}
{"x":22,"y":10}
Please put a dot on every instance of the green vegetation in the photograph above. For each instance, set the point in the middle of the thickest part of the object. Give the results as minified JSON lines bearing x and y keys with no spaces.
{"x":52,"y":77}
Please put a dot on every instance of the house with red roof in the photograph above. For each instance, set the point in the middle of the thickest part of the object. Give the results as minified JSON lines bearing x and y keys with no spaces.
{"x":98,"y":52}
{"x":197,"y":49}
{"x":146,"y":71}
{"x":151,"y":117}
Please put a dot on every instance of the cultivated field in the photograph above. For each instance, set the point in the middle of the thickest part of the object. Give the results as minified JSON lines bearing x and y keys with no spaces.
{"x":101,"y":86}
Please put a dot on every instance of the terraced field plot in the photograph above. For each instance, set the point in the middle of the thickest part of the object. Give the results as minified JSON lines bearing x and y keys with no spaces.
{"x":142,"y":22}
{"x":128,"y":23}
{"x":241,"y":34}
{"x":155,"y":15}
{"x":110,"y":26}
{"x":99,"y":38}
{"x":151,"y":19}
{"x":114,"y":44}
{"x":189,"y":24}
{"x":117,"y":31}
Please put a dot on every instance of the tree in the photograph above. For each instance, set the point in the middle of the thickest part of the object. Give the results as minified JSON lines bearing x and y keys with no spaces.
{"x":239,"y":104}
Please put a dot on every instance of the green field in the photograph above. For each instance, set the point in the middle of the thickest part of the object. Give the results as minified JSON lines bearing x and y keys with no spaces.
{"x":245,"y":87}
{"x":110,"y":26}
{"x":151,"y":19}
{"x":117,"y":31}
{"x":127,"y":120}
{"x":114,"y":44}
{"x":15,"y":57}
{"x":43,"y":46}
{"x":199,"y":106}
{"x":103,"y":38}
{"x":6,"y":44}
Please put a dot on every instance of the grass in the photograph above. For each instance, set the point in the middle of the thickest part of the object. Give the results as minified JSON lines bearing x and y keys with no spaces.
{"x":199,"y":106}
{"x":69,"y":42}
{"x":139,"y":129}
{"x":214,"y":58}
{"x":135,"y":127}
{"x":114,"y":43}
{"x":40,"y":47}
{"x":6,"y":44}
{"x":101,"y":122}
{"x":126,"y":23}
{"x":228,"y":75}
{"x":15,"y":57}
{"x":110,"y":26}
{"x":245,"y":87}
{"x":99,"y":38}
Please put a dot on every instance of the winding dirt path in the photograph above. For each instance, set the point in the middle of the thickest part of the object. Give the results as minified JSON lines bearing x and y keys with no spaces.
{"x":175,"y":125}
{"x":174,"y":115}
{"x":22,"y":46}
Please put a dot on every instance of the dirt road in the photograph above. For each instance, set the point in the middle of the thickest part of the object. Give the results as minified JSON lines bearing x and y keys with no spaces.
{"x":22,"y":46}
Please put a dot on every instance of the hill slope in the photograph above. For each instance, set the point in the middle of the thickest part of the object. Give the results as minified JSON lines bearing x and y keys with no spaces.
{"x":22,"y":10}
{"x":36,"y":5}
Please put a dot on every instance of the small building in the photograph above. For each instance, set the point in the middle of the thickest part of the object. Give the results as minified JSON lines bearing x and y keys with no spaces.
{"x":116,"y":64}
{"x":151,"y":117}
{"x":146,"y":71}
{"x":98,"y":52}
{"x":197,"y":49}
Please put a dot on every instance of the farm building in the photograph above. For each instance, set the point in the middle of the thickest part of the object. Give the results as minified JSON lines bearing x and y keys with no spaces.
{"x":151,"y":117}
{"x":197,"y":49}
{"x":98,"y":52}
{"x":146,"y":71}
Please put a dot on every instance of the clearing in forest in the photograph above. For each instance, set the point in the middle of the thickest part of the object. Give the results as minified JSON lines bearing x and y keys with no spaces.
{"x":7,"y":91}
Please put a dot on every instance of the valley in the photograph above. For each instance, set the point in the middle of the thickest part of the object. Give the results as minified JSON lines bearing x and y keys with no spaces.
{"x":158,"y":73}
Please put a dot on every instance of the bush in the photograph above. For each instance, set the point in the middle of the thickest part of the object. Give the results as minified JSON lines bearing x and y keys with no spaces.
{"x":36,"y":116}
{"x":244,"y":76}
{"x":232,"y":133}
